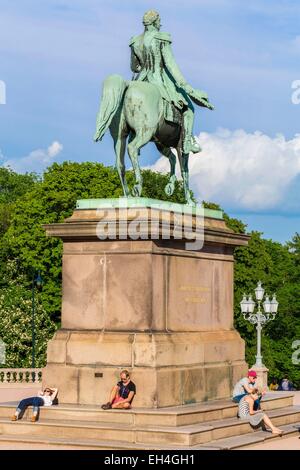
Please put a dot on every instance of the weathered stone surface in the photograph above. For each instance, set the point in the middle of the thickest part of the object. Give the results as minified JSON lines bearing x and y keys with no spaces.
{"x":150,"y":306}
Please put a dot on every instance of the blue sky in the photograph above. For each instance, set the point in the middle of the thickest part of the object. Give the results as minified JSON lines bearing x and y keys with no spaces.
{"x":56,"y":53}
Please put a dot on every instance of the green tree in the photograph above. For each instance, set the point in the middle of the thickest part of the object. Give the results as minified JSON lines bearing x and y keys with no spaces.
{"x":12,"y":187}
{"x":16,"y":318}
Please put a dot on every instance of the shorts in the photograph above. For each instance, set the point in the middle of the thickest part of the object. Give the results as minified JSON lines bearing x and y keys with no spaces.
{"x":118,"y":400}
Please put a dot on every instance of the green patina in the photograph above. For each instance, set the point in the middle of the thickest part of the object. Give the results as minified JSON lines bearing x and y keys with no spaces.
{"x":156,"y":105}
{"x":144,"y":202}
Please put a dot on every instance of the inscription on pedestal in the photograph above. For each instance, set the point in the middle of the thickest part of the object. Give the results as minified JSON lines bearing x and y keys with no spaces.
{"x":199,"y":299}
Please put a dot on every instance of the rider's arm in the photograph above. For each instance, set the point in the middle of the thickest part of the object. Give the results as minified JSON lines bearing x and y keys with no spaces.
{"x":198,"y":96}
{"x":135,"y":63}
{"x":171,"y":65}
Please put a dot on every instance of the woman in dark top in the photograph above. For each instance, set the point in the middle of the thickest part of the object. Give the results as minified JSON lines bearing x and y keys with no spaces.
{"x":122,"y":394}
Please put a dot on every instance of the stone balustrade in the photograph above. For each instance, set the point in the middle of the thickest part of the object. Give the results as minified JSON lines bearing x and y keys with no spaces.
{"x":20,"y":376}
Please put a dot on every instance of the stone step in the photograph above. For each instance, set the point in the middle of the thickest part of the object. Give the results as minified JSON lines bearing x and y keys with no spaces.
{"x":190,"y":435}
{"x":219,"y":429}
{"x":171,"y":416}
{"x":91,"y":444}
{"x":240,"y":442}
{"x":257,"y":437}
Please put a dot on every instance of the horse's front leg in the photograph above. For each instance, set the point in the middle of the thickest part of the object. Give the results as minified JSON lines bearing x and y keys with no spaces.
{"x":167,"y":152}
{"x":184,"y":166}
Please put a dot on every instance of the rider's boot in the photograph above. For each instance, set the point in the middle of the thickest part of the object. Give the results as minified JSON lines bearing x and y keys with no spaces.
{"x":189,"y":143}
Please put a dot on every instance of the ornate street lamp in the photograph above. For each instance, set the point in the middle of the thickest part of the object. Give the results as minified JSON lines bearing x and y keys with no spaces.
{"x":260,"y":318}
{"x":37,"y":282}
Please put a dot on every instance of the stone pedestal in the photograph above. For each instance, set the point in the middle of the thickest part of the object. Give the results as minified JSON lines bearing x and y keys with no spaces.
{"x":147,"y":305}
{"x":262,"y":376}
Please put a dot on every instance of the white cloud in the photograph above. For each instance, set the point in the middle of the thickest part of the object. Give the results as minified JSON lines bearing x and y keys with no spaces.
{"x":37,"y":160}
{"x":54,"y":149}
{"x":244,"y":171}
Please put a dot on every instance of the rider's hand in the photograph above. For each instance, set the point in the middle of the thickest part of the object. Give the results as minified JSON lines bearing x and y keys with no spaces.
{"x":201,"y":94}
{"x":210,"y":106}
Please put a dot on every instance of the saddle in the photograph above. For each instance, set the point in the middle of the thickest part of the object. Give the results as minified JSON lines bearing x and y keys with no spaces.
{"x":171,"y":113}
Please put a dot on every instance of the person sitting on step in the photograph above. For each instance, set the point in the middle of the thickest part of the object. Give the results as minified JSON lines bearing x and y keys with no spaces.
{"x":246,"y":411}
{"x":122,"y":394}
{"x":44,"y":398}
{"x":245,"y":386}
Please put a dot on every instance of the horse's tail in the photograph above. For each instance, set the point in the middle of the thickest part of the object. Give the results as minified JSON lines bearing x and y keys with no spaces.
{"x":114,"y":87}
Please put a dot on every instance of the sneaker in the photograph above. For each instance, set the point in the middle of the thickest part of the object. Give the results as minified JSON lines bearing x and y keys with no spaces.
{"x":106,"y":406}
{"x":33,"y":419}
{"x":14,"y":418}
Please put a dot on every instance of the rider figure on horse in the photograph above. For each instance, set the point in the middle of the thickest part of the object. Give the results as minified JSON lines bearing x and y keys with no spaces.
{"x":152,"y":61}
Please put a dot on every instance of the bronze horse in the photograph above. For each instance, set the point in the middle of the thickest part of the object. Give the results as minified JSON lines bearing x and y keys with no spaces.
{"x":136,"y":109}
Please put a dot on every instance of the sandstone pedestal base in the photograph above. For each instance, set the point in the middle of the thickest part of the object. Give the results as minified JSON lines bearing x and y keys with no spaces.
{"x":157,"y":306}
{"x":168,"y":369}
{"x":262,"y":376}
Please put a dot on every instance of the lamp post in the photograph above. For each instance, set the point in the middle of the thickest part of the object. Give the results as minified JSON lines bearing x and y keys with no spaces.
{"x":260,"y":318}
{"x":36,"y":282}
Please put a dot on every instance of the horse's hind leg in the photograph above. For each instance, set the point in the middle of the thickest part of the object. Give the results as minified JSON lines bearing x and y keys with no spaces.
{"x":141,"y":138}
{"x":167,"y":152}
{"x":120,"y":145}
{"x":119,"y":135}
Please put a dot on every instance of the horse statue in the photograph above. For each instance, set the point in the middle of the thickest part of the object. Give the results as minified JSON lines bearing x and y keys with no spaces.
{"x":136,"y":110}
{"x":154,"y":107}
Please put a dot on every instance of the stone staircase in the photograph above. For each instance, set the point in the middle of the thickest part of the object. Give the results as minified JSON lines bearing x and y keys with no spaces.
{"x":210,"y":425}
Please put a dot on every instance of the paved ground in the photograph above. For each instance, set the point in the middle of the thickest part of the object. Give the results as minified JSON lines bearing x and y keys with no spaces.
{"x":290,"y":443}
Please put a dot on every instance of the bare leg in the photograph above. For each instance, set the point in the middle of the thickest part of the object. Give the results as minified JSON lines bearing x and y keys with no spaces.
{"x":269,"y":423}
{"x":122,"y":406}
{"x":113,"y":393}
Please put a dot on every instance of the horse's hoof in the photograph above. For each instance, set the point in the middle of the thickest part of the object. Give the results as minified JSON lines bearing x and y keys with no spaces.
{"x":137,"y":190}
{"x":191,"y":203}
{"x":169,"y":189}
{"x":189,"y":200}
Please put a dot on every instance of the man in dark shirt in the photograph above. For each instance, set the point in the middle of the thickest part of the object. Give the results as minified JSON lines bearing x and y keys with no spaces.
{"x":122,"y":394}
